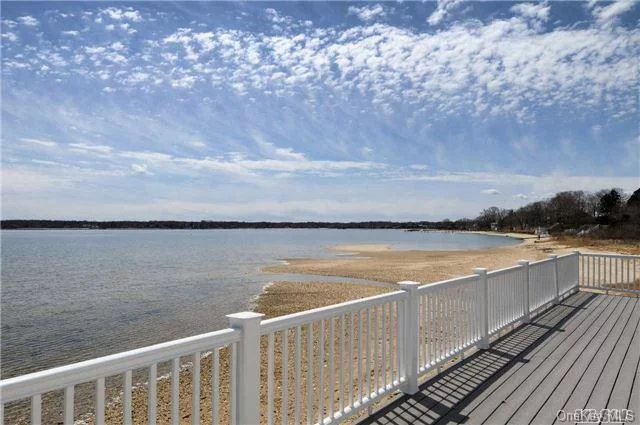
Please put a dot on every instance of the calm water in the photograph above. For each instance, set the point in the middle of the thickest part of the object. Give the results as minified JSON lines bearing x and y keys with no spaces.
{"x":71,"y":295}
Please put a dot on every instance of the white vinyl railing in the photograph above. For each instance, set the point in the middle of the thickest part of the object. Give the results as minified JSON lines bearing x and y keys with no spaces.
{"x":34,"y":386}
{"x":321,"y":366}
{"x":448,"y":313}
{"x":614,"y":272}
{"x":334,"y":360}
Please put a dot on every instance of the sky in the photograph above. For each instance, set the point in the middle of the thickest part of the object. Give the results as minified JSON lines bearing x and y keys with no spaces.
{"x":311,"y":110}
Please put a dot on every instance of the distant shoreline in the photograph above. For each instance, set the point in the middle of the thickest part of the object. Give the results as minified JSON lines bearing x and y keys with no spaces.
{"x":206,"y":224}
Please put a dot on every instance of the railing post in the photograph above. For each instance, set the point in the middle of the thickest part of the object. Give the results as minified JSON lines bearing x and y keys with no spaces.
{"x":248,"y":366}
{"x":411,"y":320}
{"x":484,"y":307}
{"x":577,"y":271}
{"x":526,"y":306}
{"x":556,"y":298}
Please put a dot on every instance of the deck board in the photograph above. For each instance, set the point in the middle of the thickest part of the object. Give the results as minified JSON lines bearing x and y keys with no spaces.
{"x":582,"y":353}
{"x":594,"y":387}
{"x":575,"y":370}
{"x":570,"y":356}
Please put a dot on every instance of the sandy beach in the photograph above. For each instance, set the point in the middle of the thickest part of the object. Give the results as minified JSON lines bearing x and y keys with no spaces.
{"x":381,"y":263}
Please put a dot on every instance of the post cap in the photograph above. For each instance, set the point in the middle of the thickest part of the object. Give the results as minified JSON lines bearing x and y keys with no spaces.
{"x":244,"y":316}
{"x":408,"y":285}
{"x":480,"y":270}
{"x":575,"y":251}
{"x":553,"y":255}
{"x":523,"y":262}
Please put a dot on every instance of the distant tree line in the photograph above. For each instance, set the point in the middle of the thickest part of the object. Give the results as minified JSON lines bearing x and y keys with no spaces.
{"x":603,"y":214}
{"x":206,"y":224}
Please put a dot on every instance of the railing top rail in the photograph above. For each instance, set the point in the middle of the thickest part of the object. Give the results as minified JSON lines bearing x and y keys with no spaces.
{"x":52,"y":379}
{"x":540,"y":262}
{"x":285,"y":322}
{"x":598,"y":254}
{"x":443,"y":284}
{"x":500,"y":272}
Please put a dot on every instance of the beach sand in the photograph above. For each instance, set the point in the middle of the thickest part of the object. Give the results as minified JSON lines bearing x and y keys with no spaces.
{"x":372,"y":262}
{"x":379,"y":263}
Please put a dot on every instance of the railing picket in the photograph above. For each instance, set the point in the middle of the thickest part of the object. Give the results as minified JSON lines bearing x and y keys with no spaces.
{"x":423,"y":333}
{"x":127,"y":397}
{"x":375,"y":349}
{"x":433,"y":356}
{"x":36,"y":409}
{"x":350,"y":362}
{"x":321,"y":373}
{"x":285,"y":376}
{"x":270,"y":387}
{"x":628,"y":279}
{"x":440,"y":329}
{"x":175,"y":390}
{"x":152,"y":393}
{"x":309,"y":373}
{"x":298,"y":374}
{"x":400,"y":306}
{"x":68,"y":405}
{"x":385,"y":335}
{"x":215,"y":386}
{"x":195,"y":394}
{"x":367,"y":367}
{"x":360,"y":389}
{"x":100,"y":401}
{"x":341,"y":368}
{"x":332,"y":345}
{"x":234,"y":384}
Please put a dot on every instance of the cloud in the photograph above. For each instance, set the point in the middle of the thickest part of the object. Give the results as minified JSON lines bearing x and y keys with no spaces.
{"x":606,"y":15}
{"x":255,"y":209}
{"x":40,"y":142}
{"x":28,"y":21}
{"x":549,"y":183}
{"x":20,"y":181}
{"x":520,"y":196}
{"x":146,"y":156}
{"x":276,"y":160}
{"x":9,"y":36}
{"x":271,"y":150}
{"x":443,"y":9}
{"x":197,"y":144}
{"x":368,"y":13}
{"x":539,"y":11}
{"x":140,"y":169}
{"x":118,"y":14}
{"x":71,"y":33}
{"x":493,"y":192}
{"x":501,"y":67}
{"x":90,"y":149}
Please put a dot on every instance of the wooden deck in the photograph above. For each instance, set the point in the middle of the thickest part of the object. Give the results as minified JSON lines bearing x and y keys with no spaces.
{"x":581,"y":354}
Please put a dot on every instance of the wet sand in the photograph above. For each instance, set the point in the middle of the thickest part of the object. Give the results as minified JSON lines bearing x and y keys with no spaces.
{"x":380,"y":263}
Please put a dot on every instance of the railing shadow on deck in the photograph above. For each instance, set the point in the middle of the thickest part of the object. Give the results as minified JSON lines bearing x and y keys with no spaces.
{"x":461,"y":383}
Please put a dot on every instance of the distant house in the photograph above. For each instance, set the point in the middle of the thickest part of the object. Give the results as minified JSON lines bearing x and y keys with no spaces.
{"x":543,"y":232}
{"x":495,"y":227}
